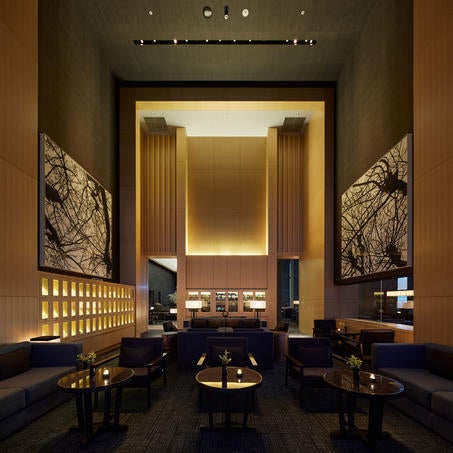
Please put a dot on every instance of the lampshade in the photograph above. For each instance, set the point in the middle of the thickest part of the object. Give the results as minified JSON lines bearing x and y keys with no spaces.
{"x":258,"y":304}
{"x":401,"y":292}
{"x":193,"y":304}
{"x":295,"y":302}
{"x":173,"y":311}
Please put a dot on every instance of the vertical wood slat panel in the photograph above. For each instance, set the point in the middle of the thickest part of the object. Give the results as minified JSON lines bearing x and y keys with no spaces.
{"x":289,"y":189}
{"x":159,"y":196}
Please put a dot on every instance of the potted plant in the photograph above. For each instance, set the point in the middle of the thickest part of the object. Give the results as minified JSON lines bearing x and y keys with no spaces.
{"x":355,"y":363}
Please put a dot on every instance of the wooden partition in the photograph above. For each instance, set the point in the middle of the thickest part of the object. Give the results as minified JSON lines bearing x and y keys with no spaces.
{"x":403,"y":333}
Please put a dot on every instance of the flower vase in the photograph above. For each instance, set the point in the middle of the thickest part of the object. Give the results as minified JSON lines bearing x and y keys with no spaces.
{"x":224,"y":374}
{"x":92,"y":370}
{"x":356,"y":375}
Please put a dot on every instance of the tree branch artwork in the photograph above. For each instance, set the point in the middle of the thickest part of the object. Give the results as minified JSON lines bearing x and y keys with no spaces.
{"x":76,"y":216}
{"x":375,"y":217}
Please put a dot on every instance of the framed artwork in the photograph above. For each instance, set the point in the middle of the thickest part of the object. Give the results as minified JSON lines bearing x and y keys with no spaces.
{"x":375,"y":238}
{"x":75,"y":216}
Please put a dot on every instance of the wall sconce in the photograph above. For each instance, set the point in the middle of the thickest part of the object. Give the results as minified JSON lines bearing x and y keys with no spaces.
{"x":193,"y":306}
{"x":258,"y":306}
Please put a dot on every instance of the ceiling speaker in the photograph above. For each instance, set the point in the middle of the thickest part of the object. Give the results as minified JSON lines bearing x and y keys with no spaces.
{"x":156,"y":125}
{"x":293,"y":126}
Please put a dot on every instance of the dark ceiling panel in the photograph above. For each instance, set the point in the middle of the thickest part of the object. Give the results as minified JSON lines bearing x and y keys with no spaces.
{"x":115,"y":24}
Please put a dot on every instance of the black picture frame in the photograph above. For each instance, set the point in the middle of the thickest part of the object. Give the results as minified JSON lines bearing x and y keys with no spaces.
{"x":374,"y":228}
{"x":75,"y":216}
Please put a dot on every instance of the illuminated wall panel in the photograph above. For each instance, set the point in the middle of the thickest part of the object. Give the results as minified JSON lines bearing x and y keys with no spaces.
{"x":84,"y":313}
{"x":226,"y":193}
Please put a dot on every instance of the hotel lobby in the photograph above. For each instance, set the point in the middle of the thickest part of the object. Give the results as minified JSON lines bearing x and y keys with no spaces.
{"x":229,"y":154}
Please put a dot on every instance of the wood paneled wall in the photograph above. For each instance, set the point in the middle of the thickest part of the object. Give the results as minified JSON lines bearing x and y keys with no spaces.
{"x":226,"y":196}
{"x":312,"y":264}
{"x":433,"y":170}
{"x":289,"y":196}
{"x":224,"y":272}
{"x":18,"y":170}
{"x":158,"y":195}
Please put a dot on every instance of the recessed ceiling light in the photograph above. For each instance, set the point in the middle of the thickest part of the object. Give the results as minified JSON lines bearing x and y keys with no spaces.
{"x":207,"y":12}
{"x":226,"y":14}
{"x":150,"y":12}
{"x":245,"y":12}
{"x":302,"y":12}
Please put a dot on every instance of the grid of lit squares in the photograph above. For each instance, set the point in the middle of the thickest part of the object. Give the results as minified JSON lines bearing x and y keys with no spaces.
{"x":73,"y":307}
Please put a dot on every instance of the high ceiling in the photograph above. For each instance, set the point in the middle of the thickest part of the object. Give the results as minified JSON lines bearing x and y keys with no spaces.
{"x":334,"y":24}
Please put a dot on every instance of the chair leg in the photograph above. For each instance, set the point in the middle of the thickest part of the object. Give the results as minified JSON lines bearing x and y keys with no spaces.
{"x":149,"y":396}
{"x":301,"y":393}
{"x":286,"y":372}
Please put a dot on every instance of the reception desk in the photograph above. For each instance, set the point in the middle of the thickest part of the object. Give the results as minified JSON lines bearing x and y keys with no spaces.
{"x":403,"y":332}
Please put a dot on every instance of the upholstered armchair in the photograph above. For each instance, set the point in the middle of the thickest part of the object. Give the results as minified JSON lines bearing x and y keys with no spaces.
{"x":146,"y":358}
{"x":362,"y":347}
{"x":307,"y":360}
{"x":236,"y":346}
{"x":324,"y":328}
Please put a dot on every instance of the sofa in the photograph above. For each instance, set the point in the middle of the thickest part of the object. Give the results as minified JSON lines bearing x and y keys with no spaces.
{"x":235,"y":322}
{"x":426,"y":370}
{"x":29,"y":372}
{"x":192,"y":344}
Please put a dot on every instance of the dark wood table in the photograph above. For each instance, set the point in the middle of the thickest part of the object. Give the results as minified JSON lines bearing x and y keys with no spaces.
{"x":83,"y":386}
{"x":376,"y":392}
{"x":220,"y":393}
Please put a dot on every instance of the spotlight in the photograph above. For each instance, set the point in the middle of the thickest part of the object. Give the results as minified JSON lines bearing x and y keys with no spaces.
{"x":207,"y":12}
{"x":226,"y":13}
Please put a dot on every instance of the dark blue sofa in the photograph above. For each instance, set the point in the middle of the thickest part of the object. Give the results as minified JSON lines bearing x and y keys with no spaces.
{"x":29,"y":372}
{"x":426,"y":370}
{"x":192,"y":344}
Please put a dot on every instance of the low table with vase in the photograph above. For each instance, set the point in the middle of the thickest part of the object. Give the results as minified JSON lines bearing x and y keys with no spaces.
{"x":83,"y":385}
{"x":238,"y":384}
{"x":375,"y":388}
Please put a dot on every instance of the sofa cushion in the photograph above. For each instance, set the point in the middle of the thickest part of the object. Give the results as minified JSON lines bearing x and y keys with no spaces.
{"x":442,"y":404}
{"x":440,"y":360}
{"x":14,"y":362}
{"x":199,"y":323}
{"x":37,"y":382}
{"x":12,"y":400}
{"x":419,"y":383}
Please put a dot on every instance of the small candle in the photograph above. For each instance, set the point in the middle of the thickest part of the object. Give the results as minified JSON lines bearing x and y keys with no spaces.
{"x":106,"y":373}
{"x":239,"y":373}
{"x":372,"y":377}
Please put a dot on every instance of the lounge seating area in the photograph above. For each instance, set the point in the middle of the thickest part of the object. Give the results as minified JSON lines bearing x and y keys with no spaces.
{"x":28,"y":380}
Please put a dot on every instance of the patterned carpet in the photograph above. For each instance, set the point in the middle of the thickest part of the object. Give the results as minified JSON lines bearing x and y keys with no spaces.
{"x":174,"y":420}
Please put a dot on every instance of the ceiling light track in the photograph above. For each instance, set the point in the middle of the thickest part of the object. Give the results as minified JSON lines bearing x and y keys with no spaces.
{"x":225,"y":42}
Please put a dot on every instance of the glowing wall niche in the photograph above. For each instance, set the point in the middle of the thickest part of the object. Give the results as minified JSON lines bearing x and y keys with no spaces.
{"x":226,"y":194}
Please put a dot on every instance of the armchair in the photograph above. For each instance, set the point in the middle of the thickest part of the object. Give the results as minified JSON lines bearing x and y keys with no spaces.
{"x":237,"y":347}
{"x":324,"y":328}
{"x":307,"y":360}
{"x":362,"y":347}
{"x":145,"y":356}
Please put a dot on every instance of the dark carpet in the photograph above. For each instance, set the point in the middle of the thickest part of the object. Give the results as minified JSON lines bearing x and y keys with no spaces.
{"x":173,"y":424}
